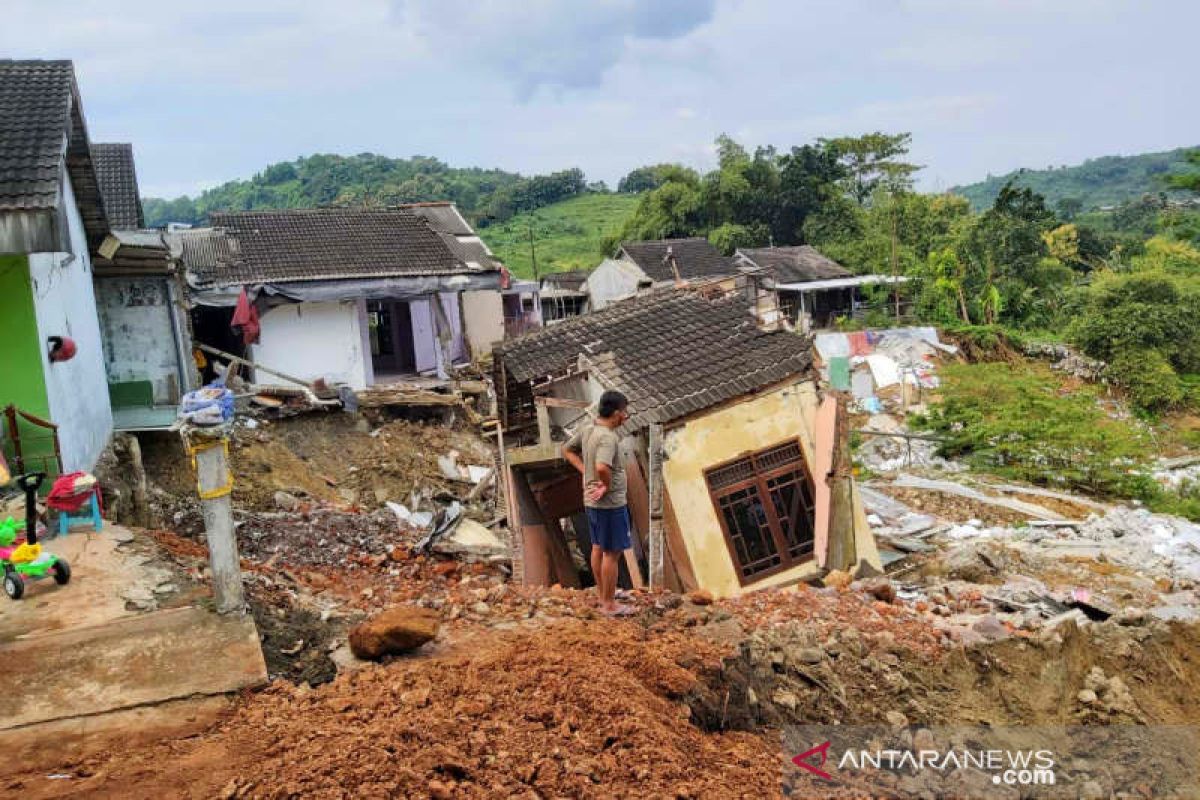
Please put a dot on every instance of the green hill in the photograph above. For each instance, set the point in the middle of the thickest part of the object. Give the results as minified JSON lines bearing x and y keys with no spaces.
{"x":373,"y":180}
{"x":567,"y":235}
{"x":1098,"y":182}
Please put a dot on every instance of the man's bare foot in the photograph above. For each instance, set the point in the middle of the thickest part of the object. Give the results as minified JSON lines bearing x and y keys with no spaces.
{"x":617,"y":610}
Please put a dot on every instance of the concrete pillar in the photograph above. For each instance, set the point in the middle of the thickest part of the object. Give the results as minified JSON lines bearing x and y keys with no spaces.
{"x":214,"y":479}
{"x":657,"y":545}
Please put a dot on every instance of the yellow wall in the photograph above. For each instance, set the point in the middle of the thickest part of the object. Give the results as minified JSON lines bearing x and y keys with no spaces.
{"x":754,"y":424}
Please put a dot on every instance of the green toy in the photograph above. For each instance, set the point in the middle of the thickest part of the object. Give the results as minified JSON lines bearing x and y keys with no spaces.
{"x":21,"y":557}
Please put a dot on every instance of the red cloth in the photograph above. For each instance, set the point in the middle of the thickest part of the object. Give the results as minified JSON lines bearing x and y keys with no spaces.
{"x":63,"y":497}
{"x":245,"y":319}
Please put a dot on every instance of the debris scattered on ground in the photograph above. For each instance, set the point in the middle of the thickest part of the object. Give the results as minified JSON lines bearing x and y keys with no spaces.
{"x":395,"y":631}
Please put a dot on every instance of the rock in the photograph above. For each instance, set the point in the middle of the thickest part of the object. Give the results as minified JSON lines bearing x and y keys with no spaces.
{"x":1086,"y":696}
{"x":806,"y":655}
{"x":397,"y":630}
{"x":701,"y":597}
{"x":1132,"y":616}
{"x":879,"y":588}
{"x":923,"y":740}
{"x":439,"y":790}
{"x":838,"y":579}
{"x":122,"y":536}
{"x":967,"y":564}
{"x":1092,"y":791}
{"x":481,"y":608}
{"x":669,"y":600}
{"x":990,"y":628}
{"x":349,"y":495}
{"x":782,"y":697}
{"x":896,"y":720}
{"x":381,"y":495}
{"x":286,"y":501}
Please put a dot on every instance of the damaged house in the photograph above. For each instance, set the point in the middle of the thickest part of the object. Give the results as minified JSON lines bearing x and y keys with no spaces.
{"x":727,"y":450}
{"x":643,"y":265}
{"x":564,"y":294}
{"x":142,"y":303}
{"x":354,"y":296}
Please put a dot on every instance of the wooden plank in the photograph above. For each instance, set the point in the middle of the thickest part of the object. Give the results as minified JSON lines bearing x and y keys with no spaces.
{"x":680,"y":561}
{"x":561,"y":402}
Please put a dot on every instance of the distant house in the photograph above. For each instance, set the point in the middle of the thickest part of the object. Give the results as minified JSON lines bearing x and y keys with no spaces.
{"x":642,"y":265}
{"x":813,"y":290}
{"x":563,"y":295}
{"x":727,"y":449}
{"x":357,"y":296}
{"x":52,"y":216}
{"x":142,"y":300}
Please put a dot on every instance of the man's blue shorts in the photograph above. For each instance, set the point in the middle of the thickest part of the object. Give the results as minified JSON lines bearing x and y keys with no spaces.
{"x":609,"y":528}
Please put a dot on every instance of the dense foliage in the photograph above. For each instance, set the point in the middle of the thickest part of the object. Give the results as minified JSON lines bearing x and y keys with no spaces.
{"x":1106,"y":181}
{"x":487,"y":195}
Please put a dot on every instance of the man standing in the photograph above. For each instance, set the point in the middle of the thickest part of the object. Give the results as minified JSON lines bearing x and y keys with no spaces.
{"x":594,"y":451}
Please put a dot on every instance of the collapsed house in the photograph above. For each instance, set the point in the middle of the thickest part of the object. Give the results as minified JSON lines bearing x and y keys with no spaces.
{"x":644,"y":265}
{"x":354,"y":296}
{"x":814,"y":290}
{"x":727,"y":450}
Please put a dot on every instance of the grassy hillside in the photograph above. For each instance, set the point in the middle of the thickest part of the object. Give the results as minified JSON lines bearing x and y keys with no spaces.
{"x":567,"y":235}
{"x":1106,"y":181}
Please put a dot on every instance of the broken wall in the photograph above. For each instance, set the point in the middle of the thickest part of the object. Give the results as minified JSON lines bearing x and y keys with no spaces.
{"x":483,"y":316}
{"x":314,"y":340}
{"x":785,"y":413}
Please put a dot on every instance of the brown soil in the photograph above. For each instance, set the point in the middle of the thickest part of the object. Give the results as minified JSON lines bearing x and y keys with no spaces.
{"x":953,"y":508}
{"x":331,"y":458}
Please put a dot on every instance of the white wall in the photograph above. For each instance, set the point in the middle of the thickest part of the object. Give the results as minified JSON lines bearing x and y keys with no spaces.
{"x":483,"y":314}
{"x":139,"y":334}
{"x":65,"y":305}
{"x":313,"y":340}
{"x":613,"y":280}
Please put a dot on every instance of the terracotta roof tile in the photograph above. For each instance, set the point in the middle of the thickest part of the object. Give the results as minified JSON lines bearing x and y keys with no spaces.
{"x":695,"y":257}
{"x":118,"y":185}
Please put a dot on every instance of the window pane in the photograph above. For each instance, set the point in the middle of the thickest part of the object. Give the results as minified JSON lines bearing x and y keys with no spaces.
{"x":746,"y":520}
{"x":792,"y":500}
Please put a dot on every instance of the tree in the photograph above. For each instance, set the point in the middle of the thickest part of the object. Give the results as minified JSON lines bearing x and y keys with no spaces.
{"x":673,"y":209}
{"x":872,"y":160}
{"x":1189,"y":181}
{"x":1069,"y":207}
{"x":643,"y":179}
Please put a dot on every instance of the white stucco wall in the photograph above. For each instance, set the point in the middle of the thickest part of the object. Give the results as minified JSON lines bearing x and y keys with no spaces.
{"x":483,"y":315}
{"x":313,"y":340}
{"x":613,"y":280}
{"x":65,"y":305}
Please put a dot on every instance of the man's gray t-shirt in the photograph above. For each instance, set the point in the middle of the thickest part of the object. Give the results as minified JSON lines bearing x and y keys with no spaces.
{"x":601,"y":444}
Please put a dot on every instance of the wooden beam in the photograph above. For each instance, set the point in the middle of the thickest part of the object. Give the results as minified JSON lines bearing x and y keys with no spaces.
{"x":560,"y":402}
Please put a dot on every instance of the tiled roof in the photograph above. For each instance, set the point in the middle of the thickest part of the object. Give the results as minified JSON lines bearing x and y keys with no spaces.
{"x":41,"y":123}
{"x":672,"y":351}
{"x":795,"y":264}
{"x":327,"y":244}
{"x":696,"y":258}
{"x":118,"y":185}
{"x":443,"y":217}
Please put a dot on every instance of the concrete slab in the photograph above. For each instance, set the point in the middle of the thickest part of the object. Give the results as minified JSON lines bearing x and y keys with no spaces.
{"x":134,"y":661}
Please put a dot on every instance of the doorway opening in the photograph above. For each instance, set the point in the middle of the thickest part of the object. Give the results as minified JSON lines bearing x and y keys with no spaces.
{"x":393,"y":352}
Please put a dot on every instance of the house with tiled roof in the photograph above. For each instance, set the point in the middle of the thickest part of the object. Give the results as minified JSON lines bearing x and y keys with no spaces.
{"x":564,"y":295}
{"x":350,"y":295}
{"x":729,"y":447}
{"x":814,"y":290}
{"x":52,"y":216}
{"x":642,"y":265}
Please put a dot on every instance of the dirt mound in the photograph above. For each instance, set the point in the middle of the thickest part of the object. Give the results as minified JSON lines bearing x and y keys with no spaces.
{"x":575,"y":710}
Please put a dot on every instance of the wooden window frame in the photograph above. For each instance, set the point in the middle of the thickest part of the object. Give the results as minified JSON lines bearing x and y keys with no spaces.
{"x":758,"y":479}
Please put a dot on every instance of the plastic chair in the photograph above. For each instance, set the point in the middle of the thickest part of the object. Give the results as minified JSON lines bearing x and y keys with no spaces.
{"x":89,"y":512}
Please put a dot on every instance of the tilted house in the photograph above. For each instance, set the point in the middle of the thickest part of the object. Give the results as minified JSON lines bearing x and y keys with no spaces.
{"x":52,"y":216}
{"x":643,"y":265}
{"x":357,"y":296}
{"x":727,"y":449}
{"x":813,"y":289}
{"x":142,"y":303}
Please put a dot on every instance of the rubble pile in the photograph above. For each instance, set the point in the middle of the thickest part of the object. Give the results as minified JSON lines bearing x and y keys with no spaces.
{"x":1064,"y":359}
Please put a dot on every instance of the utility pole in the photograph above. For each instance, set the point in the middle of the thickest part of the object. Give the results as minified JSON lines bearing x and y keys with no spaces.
{"x":214,"y":483}
{"x":533,"y":249}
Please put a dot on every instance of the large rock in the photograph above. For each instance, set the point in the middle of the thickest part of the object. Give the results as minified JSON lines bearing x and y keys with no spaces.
{"x":397,"y":630}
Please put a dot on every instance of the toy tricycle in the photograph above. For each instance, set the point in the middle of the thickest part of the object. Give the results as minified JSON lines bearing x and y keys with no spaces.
{"x":21,"y":556}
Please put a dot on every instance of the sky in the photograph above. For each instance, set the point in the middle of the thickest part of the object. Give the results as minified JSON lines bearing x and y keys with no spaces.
{"x":214,"y":91}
